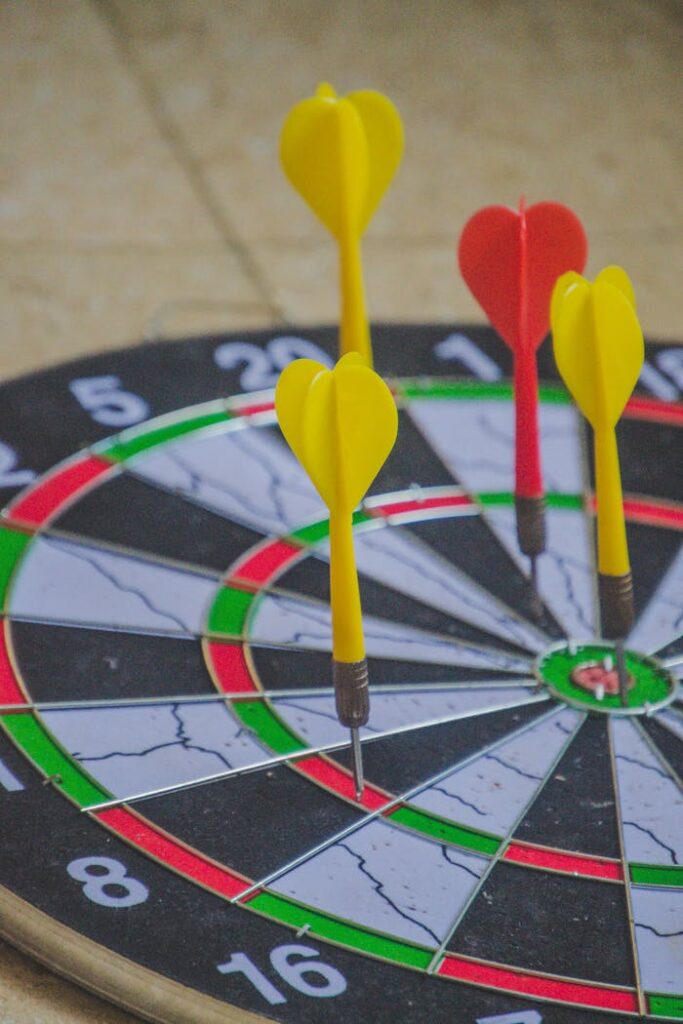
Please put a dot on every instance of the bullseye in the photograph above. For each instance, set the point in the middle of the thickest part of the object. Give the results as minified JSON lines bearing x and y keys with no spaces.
{"x":583,"y":675}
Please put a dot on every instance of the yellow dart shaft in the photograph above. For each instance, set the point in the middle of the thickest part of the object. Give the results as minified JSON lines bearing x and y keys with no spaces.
{"x":347,"y":622}
{"x":354,"y":332}
{"x":612,"y":547}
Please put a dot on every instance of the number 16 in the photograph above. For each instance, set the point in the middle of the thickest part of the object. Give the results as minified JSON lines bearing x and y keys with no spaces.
{"x":293,"y":973}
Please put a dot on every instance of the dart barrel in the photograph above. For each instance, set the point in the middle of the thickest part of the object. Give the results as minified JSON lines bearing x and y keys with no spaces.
{"x":616,"y":605}
{"x":530,"y":517}
{"x":351,"y":692}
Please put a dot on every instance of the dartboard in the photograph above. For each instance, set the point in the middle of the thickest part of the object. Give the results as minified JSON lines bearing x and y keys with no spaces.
{"x":179,"y":826}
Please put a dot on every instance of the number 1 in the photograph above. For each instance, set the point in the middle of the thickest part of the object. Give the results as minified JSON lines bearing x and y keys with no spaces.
{"x":239,"y":963}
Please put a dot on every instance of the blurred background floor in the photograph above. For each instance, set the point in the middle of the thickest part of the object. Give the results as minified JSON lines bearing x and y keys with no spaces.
{"x":140,"y":172}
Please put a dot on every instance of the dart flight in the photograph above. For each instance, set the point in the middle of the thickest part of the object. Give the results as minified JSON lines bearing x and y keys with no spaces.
{"x":341,"y":424}
{"x":599,"y":351}
{"x":340,"y":154}
{"x":510,"y":260}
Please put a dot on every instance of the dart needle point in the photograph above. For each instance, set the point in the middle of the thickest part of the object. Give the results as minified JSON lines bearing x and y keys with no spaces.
{"x":622,"y":671}
{"x":357,"y":763}
{"x":536,"y":606}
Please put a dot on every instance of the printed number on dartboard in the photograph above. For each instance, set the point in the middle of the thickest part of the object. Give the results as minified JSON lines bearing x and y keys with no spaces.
{"x":262,"y":366}
{"x":106,"y":882}
{"x":297,"y":966}
{"x":108,"y":402}
{"x":662,"y":373}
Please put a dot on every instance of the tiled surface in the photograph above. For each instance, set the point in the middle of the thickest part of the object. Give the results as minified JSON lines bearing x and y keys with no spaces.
{"x":141,"y":172}
{"x":30,"y":994}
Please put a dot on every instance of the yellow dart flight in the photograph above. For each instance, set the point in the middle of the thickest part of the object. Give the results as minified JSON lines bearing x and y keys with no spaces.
{"x":341,"y":424}
{"x":340,"y":154}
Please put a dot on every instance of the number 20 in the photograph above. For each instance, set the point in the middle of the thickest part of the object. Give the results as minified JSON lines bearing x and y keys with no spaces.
{"x":262,"y":366}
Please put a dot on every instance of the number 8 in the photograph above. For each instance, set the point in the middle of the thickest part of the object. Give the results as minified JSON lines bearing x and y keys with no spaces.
{"x":114,"y":873}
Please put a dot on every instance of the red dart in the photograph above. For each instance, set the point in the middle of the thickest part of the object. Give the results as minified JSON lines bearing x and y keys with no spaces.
{"x":510,"y":260}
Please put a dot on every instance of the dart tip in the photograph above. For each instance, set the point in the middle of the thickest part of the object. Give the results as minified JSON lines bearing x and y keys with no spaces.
{"x":357,"y":763}
{"x":533,"y":573}
{"x":622,"y":671}
{"x":536,"y":606}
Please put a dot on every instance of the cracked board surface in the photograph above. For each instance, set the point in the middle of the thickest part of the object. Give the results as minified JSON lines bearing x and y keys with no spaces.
{"x":165,"y":663}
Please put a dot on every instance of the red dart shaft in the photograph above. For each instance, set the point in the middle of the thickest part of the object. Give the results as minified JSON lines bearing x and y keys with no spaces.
{"x":528,"y":477}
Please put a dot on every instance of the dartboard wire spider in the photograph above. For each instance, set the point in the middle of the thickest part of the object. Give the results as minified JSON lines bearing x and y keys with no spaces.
{"x":402,"y":798}
{"x":533,"y":698}
{"x":499,"y":854}
{"x":227,"y":697}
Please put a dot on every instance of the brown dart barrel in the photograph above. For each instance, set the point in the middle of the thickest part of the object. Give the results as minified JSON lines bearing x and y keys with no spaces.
{"x":530,"y":516}
{"x":616,"y":605}
{"x":351,"y":692}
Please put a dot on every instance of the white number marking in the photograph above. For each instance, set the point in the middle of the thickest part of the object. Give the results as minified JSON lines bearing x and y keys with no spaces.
{"x":107,"y":872}
{"x":9,"y":476}
{"x":461,"y":348}
{"x":8,"y":779}
{"x":294,"y":973}
{"x":332,"y":982}
{"x":525,"y":1017}
{"x":262,"y":366}
{"x":107,"y":402}
{"x":239,"y":963}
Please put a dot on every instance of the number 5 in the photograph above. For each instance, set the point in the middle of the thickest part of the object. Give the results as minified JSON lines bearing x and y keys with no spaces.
{"x":9,"y":476}
{"x":107,"y":402}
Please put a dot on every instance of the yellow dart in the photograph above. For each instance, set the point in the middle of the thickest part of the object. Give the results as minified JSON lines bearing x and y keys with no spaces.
{"x":340,"y":154}
{"x":599,"y":351}
{"x":341,"y":424}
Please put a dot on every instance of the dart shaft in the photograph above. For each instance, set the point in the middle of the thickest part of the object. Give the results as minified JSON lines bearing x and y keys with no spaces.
{"x":354,"y":331}
{"x":612,"y":547}
{"x":347,"y":622}
{"x":528,"y":477}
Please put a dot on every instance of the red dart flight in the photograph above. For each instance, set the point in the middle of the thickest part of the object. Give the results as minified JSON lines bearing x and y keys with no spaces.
{"x":510,"y":260}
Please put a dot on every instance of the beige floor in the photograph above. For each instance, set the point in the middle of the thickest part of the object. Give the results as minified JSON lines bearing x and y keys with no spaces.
{"x":139,"y":172}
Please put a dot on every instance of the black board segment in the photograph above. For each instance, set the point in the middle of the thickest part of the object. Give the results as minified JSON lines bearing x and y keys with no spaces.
{"x":201,"y":931}
{"x":667,"y":743}
{"x":471,"y":546}
{"x":651,"y":552}
{"x":398,"y":763}
{"x":576,"y":809}
{"x":311,"y":576}
{"x":253,"y":823}
{"x":69,"y":663}
{"x":131,"y":513}
{"x":513,"y":916}
{"x":286,"y":669}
